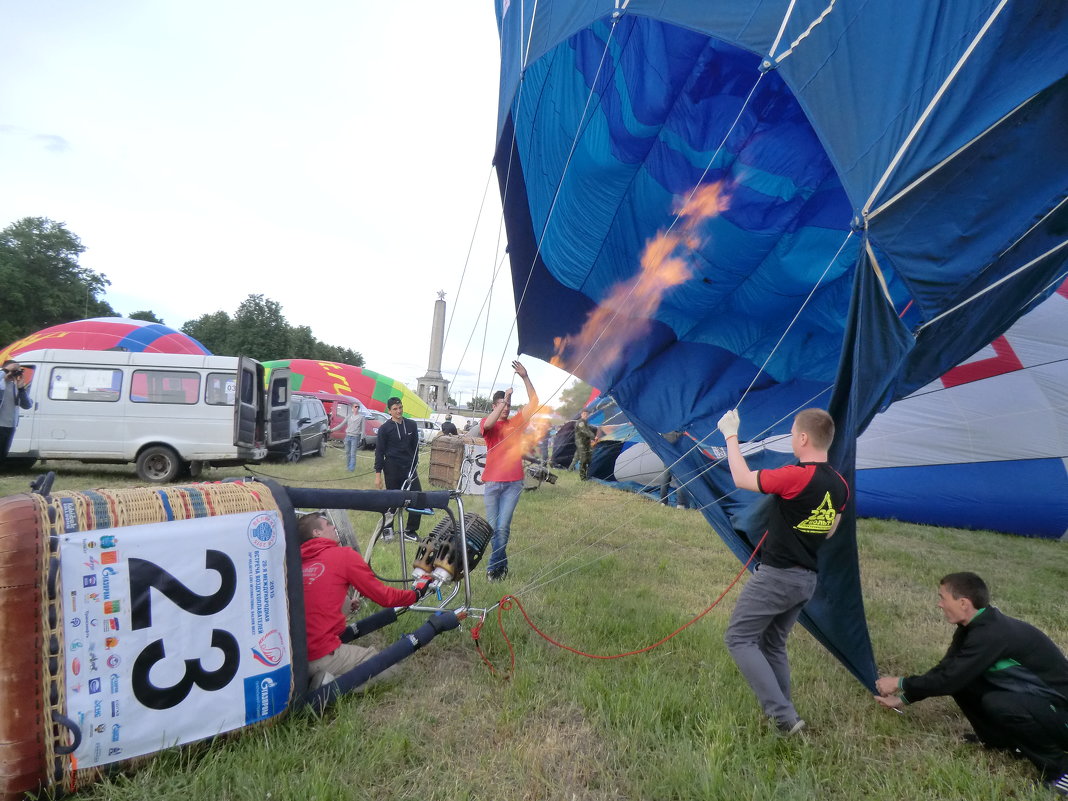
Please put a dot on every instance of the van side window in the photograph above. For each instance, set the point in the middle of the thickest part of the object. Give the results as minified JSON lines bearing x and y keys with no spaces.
{"x":164,"y":386}
{"x":85,"y":384}
{"x":220,"y":389}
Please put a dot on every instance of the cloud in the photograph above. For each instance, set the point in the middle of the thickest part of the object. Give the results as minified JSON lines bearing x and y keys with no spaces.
{"x":53,"y":143}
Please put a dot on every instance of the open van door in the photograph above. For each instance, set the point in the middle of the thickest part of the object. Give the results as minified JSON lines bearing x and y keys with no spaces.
{"x":278,"y":427}
{"x":248,"y":404}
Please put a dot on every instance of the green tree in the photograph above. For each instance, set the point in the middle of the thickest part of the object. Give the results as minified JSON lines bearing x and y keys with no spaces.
{"x":213,"y":332}
{"x":43,"y":284}
{"x":573,"y":399}
{"x":148,"y":316}
{"x":479,"y":404}
{"x":260,"y":330}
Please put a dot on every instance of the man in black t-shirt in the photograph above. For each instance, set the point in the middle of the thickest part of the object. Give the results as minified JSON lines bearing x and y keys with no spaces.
{"x":810,"y":497}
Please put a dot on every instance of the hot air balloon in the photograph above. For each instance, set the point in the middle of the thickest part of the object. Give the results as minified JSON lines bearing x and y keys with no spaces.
{"x":778,"y":205}
{"x":108,"y":333}
{"x":373,"y":389}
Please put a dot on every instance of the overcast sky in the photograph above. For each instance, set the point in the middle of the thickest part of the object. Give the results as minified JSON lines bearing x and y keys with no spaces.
{"x":330,"y":155}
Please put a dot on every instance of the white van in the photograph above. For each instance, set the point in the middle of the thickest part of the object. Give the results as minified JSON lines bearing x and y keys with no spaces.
{"x":169,"y":414}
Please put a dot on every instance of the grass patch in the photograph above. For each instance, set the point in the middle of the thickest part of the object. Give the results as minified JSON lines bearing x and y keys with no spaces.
{"x":606,"y":572}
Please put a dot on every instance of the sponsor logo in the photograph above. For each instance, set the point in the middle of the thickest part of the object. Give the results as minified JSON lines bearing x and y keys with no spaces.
{"x":70,"y":514}
{"x":114,"y":709}
{"x":111,"y":642}
{"x":114,"y":661}
{"x":114,"y":679}
{"x":74,"y":601}
{"x":111,"y":624}
{"x":106,"y":575}
{"x":94,"y":666}
{"x":75,"y":622}
{"x":262,"y":532}
{"x":114,"y":751}
{"x":271,"y":649}
{"x":111,"y":607}
{"x":100,"y":728}
{"x":267,"y":694}
{"x":108,"y":541}
{"x":94,"y":686}
{"x":89,"y":581}
{"x":74,"y":646}
{"x":77,"y":688}
{"x":76,"y":666}
{"x":313,"y":571}
{"x":114,"y":732}
{"x":91,"y":563}
{"x":98,"y":709}
{"x":92,"y":596}
{"x":109,"y":557}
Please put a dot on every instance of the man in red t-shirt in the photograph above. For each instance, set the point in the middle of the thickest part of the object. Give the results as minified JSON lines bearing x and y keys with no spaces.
{"x":330,"y":572}
{"x":503,"y":475}
{"x":810,"y":498}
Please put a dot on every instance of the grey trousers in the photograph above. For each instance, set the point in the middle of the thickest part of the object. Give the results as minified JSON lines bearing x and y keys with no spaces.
{"x":767,"y":609}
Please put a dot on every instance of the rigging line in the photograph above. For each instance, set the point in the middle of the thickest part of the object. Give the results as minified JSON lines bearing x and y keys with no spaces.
{"x":943,"y":388}
{"x":560,"y":182}
{"x":1033,"y":227}
{"x":470,"y":248}
{"x":474,"y":327}
{"x":805,"y":34}
{"x":485,"y":334}
{"x":929,"y":110}
{"x":992,"y":286}
{"x":798,"y":314}
{"x":1058,"y":280}
{"x":782,"y":29}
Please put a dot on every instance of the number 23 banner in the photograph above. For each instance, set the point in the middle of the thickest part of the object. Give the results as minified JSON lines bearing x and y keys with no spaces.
{"x":174,"y":632}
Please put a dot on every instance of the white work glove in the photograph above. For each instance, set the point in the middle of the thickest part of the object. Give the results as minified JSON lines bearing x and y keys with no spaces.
{"x":728,"y":424}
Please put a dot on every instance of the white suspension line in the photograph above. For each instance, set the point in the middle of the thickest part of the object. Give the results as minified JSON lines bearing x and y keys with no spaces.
{"x":798,"y":314}
{"x":474,"y":327}
{"x":805,"y":34}
{"x":997,"y":283}
{"x":782,"y":30}
{"x":470,"y":248}
{"x":1044,"y":217}
{"x":881,"y":208}
{"x":929,"y":110}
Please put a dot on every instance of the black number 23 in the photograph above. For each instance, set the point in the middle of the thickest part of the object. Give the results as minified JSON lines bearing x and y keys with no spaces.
{"x":145,"y":575}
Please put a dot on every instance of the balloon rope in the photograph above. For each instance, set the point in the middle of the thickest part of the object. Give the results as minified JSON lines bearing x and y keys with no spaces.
{"x":506,"y":603}
{"x":812,"y":292}
{"x":467,"y":259}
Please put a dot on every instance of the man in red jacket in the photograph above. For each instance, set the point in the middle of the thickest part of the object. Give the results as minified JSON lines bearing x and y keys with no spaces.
{"x":330,"y":571}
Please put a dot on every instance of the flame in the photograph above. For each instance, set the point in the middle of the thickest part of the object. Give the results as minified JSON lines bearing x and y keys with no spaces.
{"x":624,"y":314}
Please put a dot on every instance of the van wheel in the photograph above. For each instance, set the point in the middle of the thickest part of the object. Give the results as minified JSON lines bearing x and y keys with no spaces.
{"x":294,"y":453}
{"x":158,"y":464}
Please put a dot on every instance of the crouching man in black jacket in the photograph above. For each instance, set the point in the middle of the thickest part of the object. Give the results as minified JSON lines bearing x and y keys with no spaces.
{"x":1008,"y":678}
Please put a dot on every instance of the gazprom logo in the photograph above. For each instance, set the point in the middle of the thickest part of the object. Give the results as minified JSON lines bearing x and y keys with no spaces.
{"x":267,"y":694}
{"x":106,"y":575}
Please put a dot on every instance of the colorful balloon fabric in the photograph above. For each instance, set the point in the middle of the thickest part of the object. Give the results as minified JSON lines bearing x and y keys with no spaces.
{"x":108,"y":333}
{"x":373,"y":389}
{"x":778,"y":205}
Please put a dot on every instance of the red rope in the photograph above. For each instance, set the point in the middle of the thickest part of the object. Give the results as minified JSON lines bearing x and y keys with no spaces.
{"x":506,"y":602}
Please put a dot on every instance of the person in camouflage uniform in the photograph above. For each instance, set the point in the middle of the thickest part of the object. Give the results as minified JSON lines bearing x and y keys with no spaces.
{"x":585,"y":437}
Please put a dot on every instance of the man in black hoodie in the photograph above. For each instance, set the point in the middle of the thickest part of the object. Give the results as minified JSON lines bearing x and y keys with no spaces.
{"x":397,"y":457}
{"x":1008,"y":678}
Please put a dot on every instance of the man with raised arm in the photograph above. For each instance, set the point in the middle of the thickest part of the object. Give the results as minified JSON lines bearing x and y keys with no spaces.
{"x":809,"y":499}
{"x":503,"y":475}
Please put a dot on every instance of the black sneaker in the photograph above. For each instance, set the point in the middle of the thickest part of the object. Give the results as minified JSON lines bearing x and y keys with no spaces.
{"x":496,"y":575}
{"x":1060,"y":786}
{"x":411,"y":536}
{"x":790,"y":729}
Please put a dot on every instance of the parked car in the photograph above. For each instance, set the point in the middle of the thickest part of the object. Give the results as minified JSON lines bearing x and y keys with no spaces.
{"x":370,"y":427}
{"x":337,"y":409}
{"x":170,"y":414}
{"x":308,"y":429}
{"x":428,"y":430}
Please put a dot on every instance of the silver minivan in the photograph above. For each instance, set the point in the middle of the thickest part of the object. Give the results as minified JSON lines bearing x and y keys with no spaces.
{"x":169,"y":414}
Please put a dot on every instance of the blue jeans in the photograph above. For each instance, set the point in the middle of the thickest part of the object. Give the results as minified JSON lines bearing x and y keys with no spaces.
{"x":766,"y":610}
{"x":352,"y":444}
{"x":501,"y":499}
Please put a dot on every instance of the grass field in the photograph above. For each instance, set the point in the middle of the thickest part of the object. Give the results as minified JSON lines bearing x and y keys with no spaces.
{"x":605,"y":572}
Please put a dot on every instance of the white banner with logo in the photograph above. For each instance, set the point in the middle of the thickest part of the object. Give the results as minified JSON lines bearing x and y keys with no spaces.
{"x":174,"y":631}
